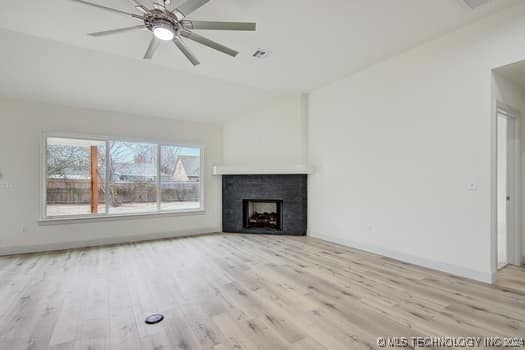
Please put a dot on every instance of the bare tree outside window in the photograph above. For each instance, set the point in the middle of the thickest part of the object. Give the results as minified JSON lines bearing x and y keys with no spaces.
{"x":70,"y":186}
{"x":133,"y":177}
{"x":83,"y":180}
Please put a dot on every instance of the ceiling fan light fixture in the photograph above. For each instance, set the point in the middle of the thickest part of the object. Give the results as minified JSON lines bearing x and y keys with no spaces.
{"x":163,"y":31}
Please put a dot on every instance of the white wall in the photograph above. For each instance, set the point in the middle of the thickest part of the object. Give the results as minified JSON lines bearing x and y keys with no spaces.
{"x":513,"y":95}
{"x":396,"y":146}
{"x":267,"y":136}
{"x":22,"y":124}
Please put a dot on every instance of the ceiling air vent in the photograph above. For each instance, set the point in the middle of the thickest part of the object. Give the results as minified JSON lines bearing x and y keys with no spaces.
{"x":472,"y":4}
{"x":260,"y":53}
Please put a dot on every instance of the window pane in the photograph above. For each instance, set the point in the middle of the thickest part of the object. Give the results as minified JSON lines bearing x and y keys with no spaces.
{"x":133,"y":176}
{"x":74,"y":186}
{"x":180,"y":177}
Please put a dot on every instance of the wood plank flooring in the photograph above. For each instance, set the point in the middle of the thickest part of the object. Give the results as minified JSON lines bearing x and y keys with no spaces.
{"x":238,"y":292}
{"x":511,"y":278}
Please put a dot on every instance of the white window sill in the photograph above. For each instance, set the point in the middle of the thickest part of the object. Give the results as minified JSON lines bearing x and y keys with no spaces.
{"x":117,"y":217}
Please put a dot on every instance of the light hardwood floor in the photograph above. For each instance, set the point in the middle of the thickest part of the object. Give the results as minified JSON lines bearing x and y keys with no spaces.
{"x":511,"y":278}
{"x":238,"y":292}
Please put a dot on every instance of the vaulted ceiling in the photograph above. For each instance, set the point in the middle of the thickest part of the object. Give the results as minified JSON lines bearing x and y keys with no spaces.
{"x":48,"y":55}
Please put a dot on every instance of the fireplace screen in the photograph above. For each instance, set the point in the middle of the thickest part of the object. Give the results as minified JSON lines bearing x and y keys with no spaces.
{"x":262,"y":214}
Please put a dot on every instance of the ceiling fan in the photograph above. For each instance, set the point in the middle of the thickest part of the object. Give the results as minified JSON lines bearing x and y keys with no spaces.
{"x":172,"y":25}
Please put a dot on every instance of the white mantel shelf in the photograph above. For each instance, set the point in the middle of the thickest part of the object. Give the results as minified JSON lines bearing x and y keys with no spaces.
{"x":246,"y":170}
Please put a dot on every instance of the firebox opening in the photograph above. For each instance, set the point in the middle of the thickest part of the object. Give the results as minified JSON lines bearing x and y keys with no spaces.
{"x":262,"y":214}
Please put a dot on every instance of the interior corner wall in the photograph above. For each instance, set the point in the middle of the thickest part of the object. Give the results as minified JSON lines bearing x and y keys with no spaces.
{"x":403,"y":151}
{"x":267,"y":136}
{"x":513,"y":95}
{"x":522,"y":184}
{"x":21,"y":132}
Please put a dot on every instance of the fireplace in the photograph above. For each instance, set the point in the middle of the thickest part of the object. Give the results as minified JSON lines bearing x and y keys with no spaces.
{"x":264,"y":204}
{"x":265,"y":214}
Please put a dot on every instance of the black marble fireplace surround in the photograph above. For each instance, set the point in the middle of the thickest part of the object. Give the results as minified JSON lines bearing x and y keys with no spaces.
{"x":290,"y":191}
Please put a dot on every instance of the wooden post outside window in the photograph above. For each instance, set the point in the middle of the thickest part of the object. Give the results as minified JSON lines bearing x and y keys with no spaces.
{"x":94,"y":179}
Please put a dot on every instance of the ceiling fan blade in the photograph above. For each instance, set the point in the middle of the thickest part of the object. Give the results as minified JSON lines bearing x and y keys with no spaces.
{"x":189,"y":6}
{"x":207,"y":42}
{"x":158,"y":5}
{"x":189,"y":55}
{"x":211,"y":25}
{"x":153,"y":46}
{"x":108,"y":9}
{"x":139,"y":6}
{"x":116,"y":31}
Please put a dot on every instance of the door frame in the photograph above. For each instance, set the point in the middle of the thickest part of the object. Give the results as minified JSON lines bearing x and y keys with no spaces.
{"x":513,"y":116}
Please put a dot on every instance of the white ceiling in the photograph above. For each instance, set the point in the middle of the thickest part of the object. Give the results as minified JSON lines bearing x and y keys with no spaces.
{"x":312,"y":43}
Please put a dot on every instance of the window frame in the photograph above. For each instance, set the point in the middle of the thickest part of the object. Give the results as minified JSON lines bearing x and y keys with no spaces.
{"x":44,"y":218}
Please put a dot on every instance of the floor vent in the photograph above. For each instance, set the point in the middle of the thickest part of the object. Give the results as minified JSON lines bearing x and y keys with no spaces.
{"x":154,"y":319}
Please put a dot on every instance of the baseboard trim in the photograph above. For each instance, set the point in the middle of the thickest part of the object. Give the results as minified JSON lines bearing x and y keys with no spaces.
{"x":485,"y":277}
{"x":38,"y":248}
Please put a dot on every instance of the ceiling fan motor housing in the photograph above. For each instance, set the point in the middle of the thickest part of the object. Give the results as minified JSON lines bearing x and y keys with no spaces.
{"x":162,"y":20}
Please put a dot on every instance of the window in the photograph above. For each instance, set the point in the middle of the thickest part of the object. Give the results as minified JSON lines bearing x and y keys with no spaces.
{"x":133,"y":177}
{"x":92,"y":178}
{"x":73,"y":185}
{"x":180,"y":169}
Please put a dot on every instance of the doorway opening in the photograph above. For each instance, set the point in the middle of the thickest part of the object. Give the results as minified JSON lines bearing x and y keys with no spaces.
{"x":508,"y":154}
